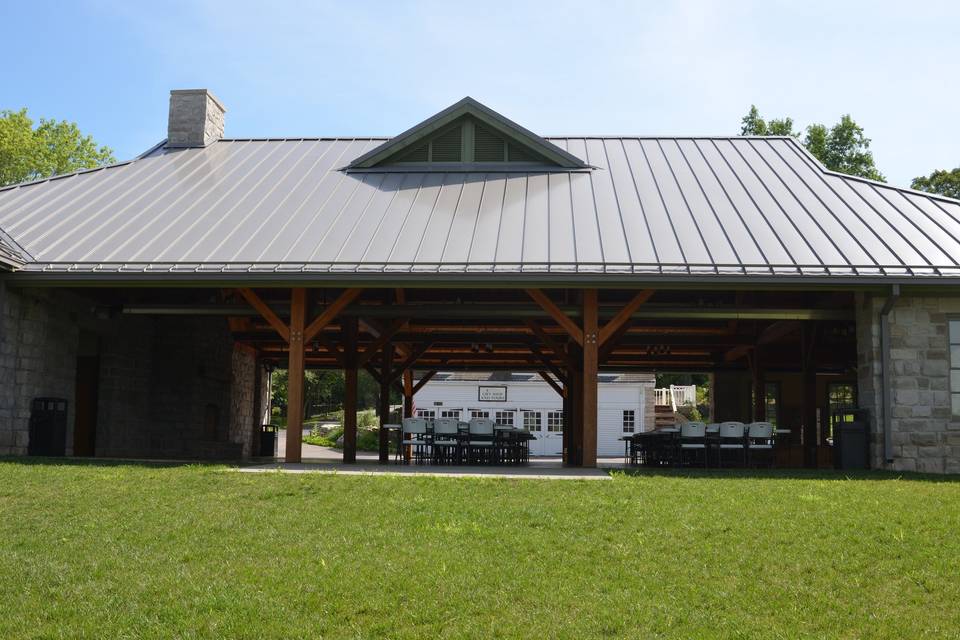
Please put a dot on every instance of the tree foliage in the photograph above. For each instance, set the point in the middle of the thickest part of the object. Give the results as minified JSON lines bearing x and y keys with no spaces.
{"x":326,"y":389}
{"x":946,"y":183}
{"x":52,"y":147}
{"x":843,"y":147}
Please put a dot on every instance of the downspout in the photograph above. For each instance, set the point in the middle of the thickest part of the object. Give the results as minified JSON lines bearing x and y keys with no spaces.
{"x":885,"y":368}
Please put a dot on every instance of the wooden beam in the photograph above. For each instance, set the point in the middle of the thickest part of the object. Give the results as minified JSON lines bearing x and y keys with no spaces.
{"x":557,"y":314}
{"x":350,"y":384}
{"x":272,"y":319}
{"x":613,"y":341}
{"x":376,"y":330}
{"x":548,"y":340}
{"x":411,"y":359}
{"x":298,"y":303}
{"x":384,"y":403}
{"x":553,"y":383}
{"x":548,"y":363}
{"x":380,"y":341}
{"x":331,"y":348}
{"x":588,"y":413}
{"x":407,"y":393}
{"x":771,"y":333}
{"x":623,"y":316}
{"x":330,"y":313}
{"x":424,"y":380}
{"x":369,"y":368}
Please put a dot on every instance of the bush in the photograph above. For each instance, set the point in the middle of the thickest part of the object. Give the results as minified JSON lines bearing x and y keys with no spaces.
{"x":690,"y":412}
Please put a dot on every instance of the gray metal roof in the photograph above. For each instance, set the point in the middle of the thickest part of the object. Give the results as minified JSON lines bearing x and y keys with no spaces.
{"x":656,"y":207}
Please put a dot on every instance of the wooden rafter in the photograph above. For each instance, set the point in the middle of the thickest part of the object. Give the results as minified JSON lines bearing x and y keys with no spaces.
{"x":549,"y":341}
{"x":261,"y":307}
{"x":772,"y":333}
{"x":557,"y":314}
{"x":415,"y":354}
{"x":553,"y":383}
{"x":424,"y":380}
{"x":548,"y":363}
{"x":330,"y":313}
{"x":623,"y":316}
{"x":380,"y":341}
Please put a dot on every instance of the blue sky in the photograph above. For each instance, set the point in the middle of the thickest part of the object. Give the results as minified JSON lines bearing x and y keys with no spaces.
{"x":375,"y":68}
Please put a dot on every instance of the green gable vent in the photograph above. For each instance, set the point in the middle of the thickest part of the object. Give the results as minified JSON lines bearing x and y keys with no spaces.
{"x":487,"y":145}
{"x":420,"y":154}
{"x":448,"y":147}
{"x":516,"y":153}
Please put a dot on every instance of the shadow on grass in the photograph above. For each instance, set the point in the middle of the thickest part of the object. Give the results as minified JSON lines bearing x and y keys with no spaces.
{"x":785,"y":474}
{"x":113,"y":462}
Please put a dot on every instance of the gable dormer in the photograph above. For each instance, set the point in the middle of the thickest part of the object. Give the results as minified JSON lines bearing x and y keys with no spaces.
{"x":466,"y":136}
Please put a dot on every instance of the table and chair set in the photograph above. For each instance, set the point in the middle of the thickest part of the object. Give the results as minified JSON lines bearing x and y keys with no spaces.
{"x":722,"y":444}
{"x":452,"y":441}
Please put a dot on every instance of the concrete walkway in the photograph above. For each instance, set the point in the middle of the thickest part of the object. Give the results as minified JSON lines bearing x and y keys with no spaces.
{"x":326,"y":460}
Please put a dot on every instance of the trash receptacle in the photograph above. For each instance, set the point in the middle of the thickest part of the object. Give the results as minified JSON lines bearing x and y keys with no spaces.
{"x":48,"y":427}
{"x":851,"y":441}
{"x":268,"y":440}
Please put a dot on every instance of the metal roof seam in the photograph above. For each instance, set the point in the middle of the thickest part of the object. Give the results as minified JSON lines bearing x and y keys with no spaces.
{"x":238,"y":225}
{"x":643,"y":209}
{"x":596,"y":211}
{"x":343,"y":208}
{"x":120,"y":181}
{"x":783,"y":211}
{"x":267,"y":218}
{"x":363,"y":213}
{"x":686,"y":203}
{"x":814,"y":218}
{"x":616,"y":199}
{"x":706,"y":198}
{"x":870,"y":227}
{"x":181,"y":196}
{"x":663,"y":202}
{"x":226,"y":150}
{"x":476,"y":219}
{"x":433,"y":209}
{"x":339,"y":178}
{"x":210,"y":209}
{"x":110,"y":218}
{"x":910,"y":219}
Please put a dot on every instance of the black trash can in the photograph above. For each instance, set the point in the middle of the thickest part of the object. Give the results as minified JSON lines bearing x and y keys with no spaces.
{"x":268,"y":440}
{"x":851,"y":441}
{"x":48,"y":427}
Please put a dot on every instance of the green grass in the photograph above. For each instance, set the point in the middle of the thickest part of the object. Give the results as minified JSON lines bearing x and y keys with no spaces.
{"x":205,"y":552}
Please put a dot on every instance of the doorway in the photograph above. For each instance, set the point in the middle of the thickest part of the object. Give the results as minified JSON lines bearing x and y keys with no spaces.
{"x":86,"y":390}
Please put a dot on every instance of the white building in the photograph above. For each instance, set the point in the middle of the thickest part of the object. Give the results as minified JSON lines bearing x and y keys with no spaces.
{"x":625,"y":402}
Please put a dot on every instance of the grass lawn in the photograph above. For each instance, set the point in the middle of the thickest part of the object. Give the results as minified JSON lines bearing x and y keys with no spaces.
{"x":202,"y":551}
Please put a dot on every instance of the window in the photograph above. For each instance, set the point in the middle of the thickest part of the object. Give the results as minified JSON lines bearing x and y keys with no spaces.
{"x":555,"y":421}
{"x":430,"y":414}
{"x":476,"y":413}
{"x":450,"y":413}
{"x":771,"y":402}
{"x":841,"y":401}
{"x":531,"y":420}
{"x":629,"y":420}
{"x":504,"y":418}
{"x":955,"y":367}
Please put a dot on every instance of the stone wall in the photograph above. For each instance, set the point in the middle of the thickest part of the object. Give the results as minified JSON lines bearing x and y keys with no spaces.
{"x":38,"y":348}
{"x":924,"y":435}
{"x":169,"y":387}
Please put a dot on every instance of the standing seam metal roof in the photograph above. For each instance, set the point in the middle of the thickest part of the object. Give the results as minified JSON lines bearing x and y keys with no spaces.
{"x":652,"y":205}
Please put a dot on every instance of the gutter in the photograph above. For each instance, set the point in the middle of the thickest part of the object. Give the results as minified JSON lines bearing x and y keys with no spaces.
{"x":885,"y":368}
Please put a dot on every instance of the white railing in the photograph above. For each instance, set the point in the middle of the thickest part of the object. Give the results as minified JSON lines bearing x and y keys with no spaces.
{"x":676,"y":395}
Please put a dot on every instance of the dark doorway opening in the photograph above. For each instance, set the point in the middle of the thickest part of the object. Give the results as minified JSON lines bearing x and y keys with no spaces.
{"x":85,"y":418}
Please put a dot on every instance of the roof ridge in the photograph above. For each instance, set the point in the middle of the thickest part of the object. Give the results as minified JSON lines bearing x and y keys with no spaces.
{"x":876,"y":183}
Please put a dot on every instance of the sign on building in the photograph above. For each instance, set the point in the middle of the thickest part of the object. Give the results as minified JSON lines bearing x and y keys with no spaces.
{"x":492,"y":394}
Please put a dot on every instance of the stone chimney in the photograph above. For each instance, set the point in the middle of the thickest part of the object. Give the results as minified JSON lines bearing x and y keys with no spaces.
{"x":196,"y":118}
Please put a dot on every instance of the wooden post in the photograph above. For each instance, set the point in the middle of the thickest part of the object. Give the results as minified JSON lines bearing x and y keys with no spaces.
{"x":408,"y":393}
{"x":298,"y":304}
{"x":349,"y":329}
{"x":759,"y":388}
{"x":809,"y":412}
{"x":588,"y":410}
{"x":384,"y":403}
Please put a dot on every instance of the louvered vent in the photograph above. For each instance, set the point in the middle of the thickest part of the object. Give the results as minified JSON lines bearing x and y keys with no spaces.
{"x":487,"y":145}
{"x":516,"y":153}
{"x":448,"y":147}
{"x":420,"y":154}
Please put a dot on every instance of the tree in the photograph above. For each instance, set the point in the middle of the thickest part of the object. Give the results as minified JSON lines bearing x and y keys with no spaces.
{"x":754,"y":125}
{"x":843,"y":148}
{"x":53,"y":147}
{"x":946,"y":183}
